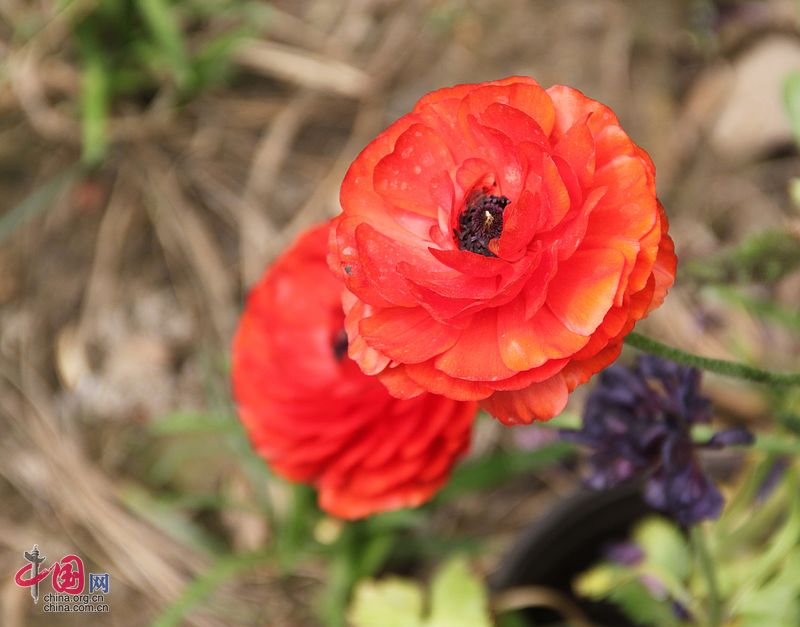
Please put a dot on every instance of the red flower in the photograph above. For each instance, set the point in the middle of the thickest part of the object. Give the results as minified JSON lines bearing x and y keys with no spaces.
{"x":499,"y":242}
{"x":314,"y":416}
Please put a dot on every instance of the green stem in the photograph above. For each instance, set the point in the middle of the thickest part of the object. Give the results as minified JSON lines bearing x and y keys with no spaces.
{"x":720,"y":366}
{"x":707,"y":566}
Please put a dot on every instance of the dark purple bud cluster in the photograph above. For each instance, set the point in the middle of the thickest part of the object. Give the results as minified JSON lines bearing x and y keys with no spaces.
{"x":637,"y":422}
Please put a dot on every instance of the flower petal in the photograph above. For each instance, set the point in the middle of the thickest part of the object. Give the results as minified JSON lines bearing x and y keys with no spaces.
{"x":380,"y":256}
{"x":523,"y":93}
{"x":583,"y":289}
{"x":576,"y":146}
{"x":463,"y":361}
{"x":399,"y":384}
{"x":436,"y":381}
{"x":665,"y":265}
{"x":539,"y":401}
{"x":368,"y":359}
{"x":571,"y":107}
{"x":407,"y":335}
{"x":403,"y":177}
{"x":526,"y":344}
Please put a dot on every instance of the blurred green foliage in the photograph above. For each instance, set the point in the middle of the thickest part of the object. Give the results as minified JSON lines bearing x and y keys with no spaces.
{"x":765,"y":257}
{"x":136,"y":50}
{"x":457,"y":599}
{"x":352,"y":552}
{"x":791,"y":99}
{"x":754,"y":554}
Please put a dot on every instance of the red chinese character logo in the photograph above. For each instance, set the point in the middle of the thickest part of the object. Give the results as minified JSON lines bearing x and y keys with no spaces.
{"x":68,"y":575}
{"x":23,"y":581}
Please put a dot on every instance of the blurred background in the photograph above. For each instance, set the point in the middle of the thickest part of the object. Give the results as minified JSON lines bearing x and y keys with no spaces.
{"x":156,"y":155}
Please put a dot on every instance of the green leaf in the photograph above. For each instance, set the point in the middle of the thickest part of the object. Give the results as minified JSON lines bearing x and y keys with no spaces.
{"x":791,"y":100}
{"x":458,"y":598}
{"x":160,"y":18}
{"x":622,"y":586}
{"x":212,"y":62}
{"x":94,"y":109}
{"x":598,"y":581}
{"x":665,"y":547}
{"x":641,"y":606}
{"x":667,"y":560}
{"x":782,"y":541}
{"x":778,"y":601}
{"x":393,"y":602}
{"x":794,"y":191}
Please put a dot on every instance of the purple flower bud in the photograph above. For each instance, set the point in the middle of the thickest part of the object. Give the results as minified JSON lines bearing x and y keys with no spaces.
{"x":681,"y":611}
{"x":625,"y":553}
{"x":738,"y":436}
{"x":637,"y":422}
{"x":680,"y":488}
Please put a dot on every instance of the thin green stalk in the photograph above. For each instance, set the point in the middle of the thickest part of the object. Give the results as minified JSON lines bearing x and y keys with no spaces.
{"x":719,"y":366}
{"x":707,"y":566}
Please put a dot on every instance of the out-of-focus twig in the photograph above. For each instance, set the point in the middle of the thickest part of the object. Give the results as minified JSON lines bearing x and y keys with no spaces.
{"x":255,"y":228}
{"x":183,"y":232}
{"x":303,"y":68}
{"x":538,"y":596}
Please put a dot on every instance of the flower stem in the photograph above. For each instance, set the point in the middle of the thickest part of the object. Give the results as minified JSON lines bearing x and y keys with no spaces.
{"x":720,"y":366}
{"x":707,"y":566}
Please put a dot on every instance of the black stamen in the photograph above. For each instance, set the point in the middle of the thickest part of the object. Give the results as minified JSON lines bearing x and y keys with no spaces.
{"x":339,"y":345}
{"x":480,"y":222}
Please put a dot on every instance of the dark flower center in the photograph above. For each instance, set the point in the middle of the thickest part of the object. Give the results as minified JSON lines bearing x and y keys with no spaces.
{"x":480,"y":222}
{"x":339,"y":344}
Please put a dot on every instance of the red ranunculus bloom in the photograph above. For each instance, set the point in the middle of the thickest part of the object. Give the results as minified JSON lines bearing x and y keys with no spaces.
{"x":499,"y":242}
{"x":314,"y":416}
